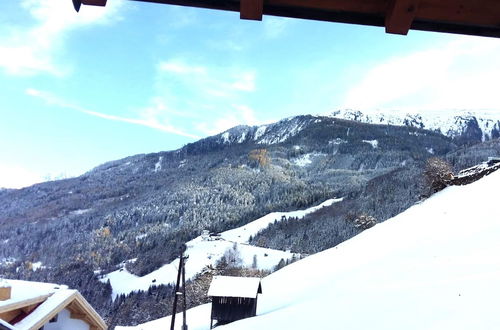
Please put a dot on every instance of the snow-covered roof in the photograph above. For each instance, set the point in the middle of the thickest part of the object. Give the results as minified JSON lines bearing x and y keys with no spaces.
{"x":53,"y":305}
{"x":25,"y":292}
{"x":232,"y":286}
{"x":45,"y":300}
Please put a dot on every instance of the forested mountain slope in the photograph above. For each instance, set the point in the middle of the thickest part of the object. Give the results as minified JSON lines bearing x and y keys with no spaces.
{"x":145,"y":207}
{"x":427,"y":268}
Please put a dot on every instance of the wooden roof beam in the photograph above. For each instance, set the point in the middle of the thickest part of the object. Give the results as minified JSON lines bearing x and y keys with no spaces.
{"x":251,"y":9}
{"x":400,"y":16}
{"x":101,"y":3}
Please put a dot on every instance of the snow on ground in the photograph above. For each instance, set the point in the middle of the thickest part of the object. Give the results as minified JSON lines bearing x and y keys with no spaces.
{"x":204,"y":253}
{"x":80,"y":211}
{"x":434,"y":266}
{"x":7,"y":261}
{"x":158,"y":164}
{"x":306,"y":159}
{"x":303,"y":160}
{"x":37,"y":265}
{"x":225,"y":137}
{"x":373,"y":143}
{"x":337,"y":141}
{"x":261,"y":130}
{"x":242,"y":138}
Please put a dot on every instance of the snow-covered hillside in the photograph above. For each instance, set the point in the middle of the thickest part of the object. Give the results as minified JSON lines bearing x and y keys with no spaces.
{"x":266,"y":134}
{"x":205,"y":251}
{"x":451,"y":124}
{"x":434,"y":266}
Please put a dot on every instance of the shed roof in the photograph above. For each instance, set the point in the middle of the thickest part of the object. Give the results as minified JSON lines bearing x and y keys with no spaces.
{"x":232,"y":286}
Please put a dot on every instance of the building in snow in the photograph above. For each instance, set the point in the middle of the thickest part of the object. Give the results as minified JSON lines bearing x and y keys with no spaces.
{"x":28,"y":305}
{"x":233,"y":298}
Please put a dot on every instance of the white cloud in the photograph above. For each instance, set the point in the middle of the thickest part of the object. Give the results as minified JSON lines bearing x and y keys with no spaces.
{"x":244,"y":81}
{"x":30,"y":50}
{"x":179,"y":67}
{"x":462,"y":74}
{"x":147,"y":118}
{"x":202,"y":97}
{"x":237,"y":115}
{"x":216,"y":81}
{"x":12,"y":176}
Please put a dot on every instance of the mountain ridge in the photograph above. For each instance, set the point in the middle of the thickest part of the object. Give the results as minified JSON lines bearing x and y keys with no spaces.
{"x":479,"y":127}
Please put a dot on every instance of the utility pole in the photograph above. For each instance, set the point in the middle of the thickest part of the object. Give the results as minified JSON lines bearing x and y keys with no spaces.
{"x":184,"y":325}
{"x":180,"y":272}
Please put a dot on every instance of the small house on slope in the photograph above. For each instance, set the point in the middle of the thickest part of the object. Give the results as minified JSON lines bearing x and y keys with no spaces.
{"x":28,"y":305}
{"x":233,"y":298}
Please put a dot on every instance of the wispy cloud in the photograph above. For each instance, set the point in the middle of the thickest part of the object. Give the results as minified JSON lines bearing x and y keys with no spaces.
{"x":178,"y":67}
{"x":237,"y":114}
{"x":275,"y":27}
{"x":148,"y":119}
{"x":215,"y":96}
{"x":221,"y":81}
{"x":28,"y":50}
{"x":462,"y":74}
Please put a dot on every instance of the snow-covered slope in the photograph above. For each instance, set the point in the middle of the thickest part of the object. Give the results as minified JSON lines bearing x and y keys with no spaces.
{"x":266,"y":134}
{"x":456,"y":124}
{"x":435,"y":266}
{"x":452,"y":124}
{"x":205,"y":251}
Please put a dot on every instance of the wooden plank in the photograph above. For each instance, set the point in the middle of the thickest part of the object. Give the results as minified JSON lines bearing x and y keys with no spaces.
{"x":101,"y":3}
{"x":473,"y":17}
{"x":477,"y":12}
{"x":29,"y":309}
{"x":9,"y":315}
{"x":23,"y":303}
{"x":251,"y":9}
{"x":359,"y":6}
{"x":79,"y":306}
{"x":400,"y":15}
{"x":78,"y":316}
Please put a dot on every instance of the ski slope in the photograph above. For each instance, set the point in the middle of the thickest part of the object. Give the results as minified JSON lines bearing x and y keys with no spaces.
{"x":435,"y":266}
{"x":206,"y":251}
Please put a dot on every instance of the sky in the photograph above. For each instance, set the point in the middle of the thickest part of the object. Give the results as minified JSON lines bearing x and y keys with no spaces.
{"x":81,"y":89}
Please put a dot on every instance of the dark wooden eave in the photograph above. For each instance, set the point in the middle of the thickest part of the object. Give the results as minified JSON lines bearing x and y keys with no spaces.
{"x":472,"y":17}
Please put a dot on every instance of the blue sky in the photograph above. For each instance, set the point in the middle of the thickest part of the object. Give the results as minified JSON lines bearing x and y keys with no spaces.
{"x":82,"y":89}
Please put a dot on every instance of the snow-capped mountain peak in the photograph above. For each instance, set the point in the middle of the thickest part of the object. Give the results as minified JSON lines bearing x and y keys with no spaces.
{"x":454,"y":124}
{"x":266,"y":134}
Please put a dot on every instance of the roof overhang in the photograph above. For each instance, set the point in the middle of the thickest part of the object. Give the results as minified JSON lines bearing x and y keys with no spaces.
{"x":472,"y":17}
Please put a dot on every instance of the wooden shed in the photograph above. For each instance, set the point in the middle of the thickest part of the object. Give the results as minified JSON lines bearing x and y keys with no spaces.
{"x":233,"y":298}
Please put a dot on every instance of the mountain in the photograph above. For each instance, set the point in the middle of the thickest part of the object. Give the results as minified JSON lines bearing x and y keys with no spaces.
{"x":464,"y":127}
{"x":142,"y":209}
{"x":427,"y":268}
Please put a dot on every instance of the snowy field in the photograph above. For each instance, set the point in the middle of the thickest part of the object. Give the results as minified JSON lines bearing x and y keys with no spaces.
{"x":435,"y":266}
{"x":205,"y":252}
